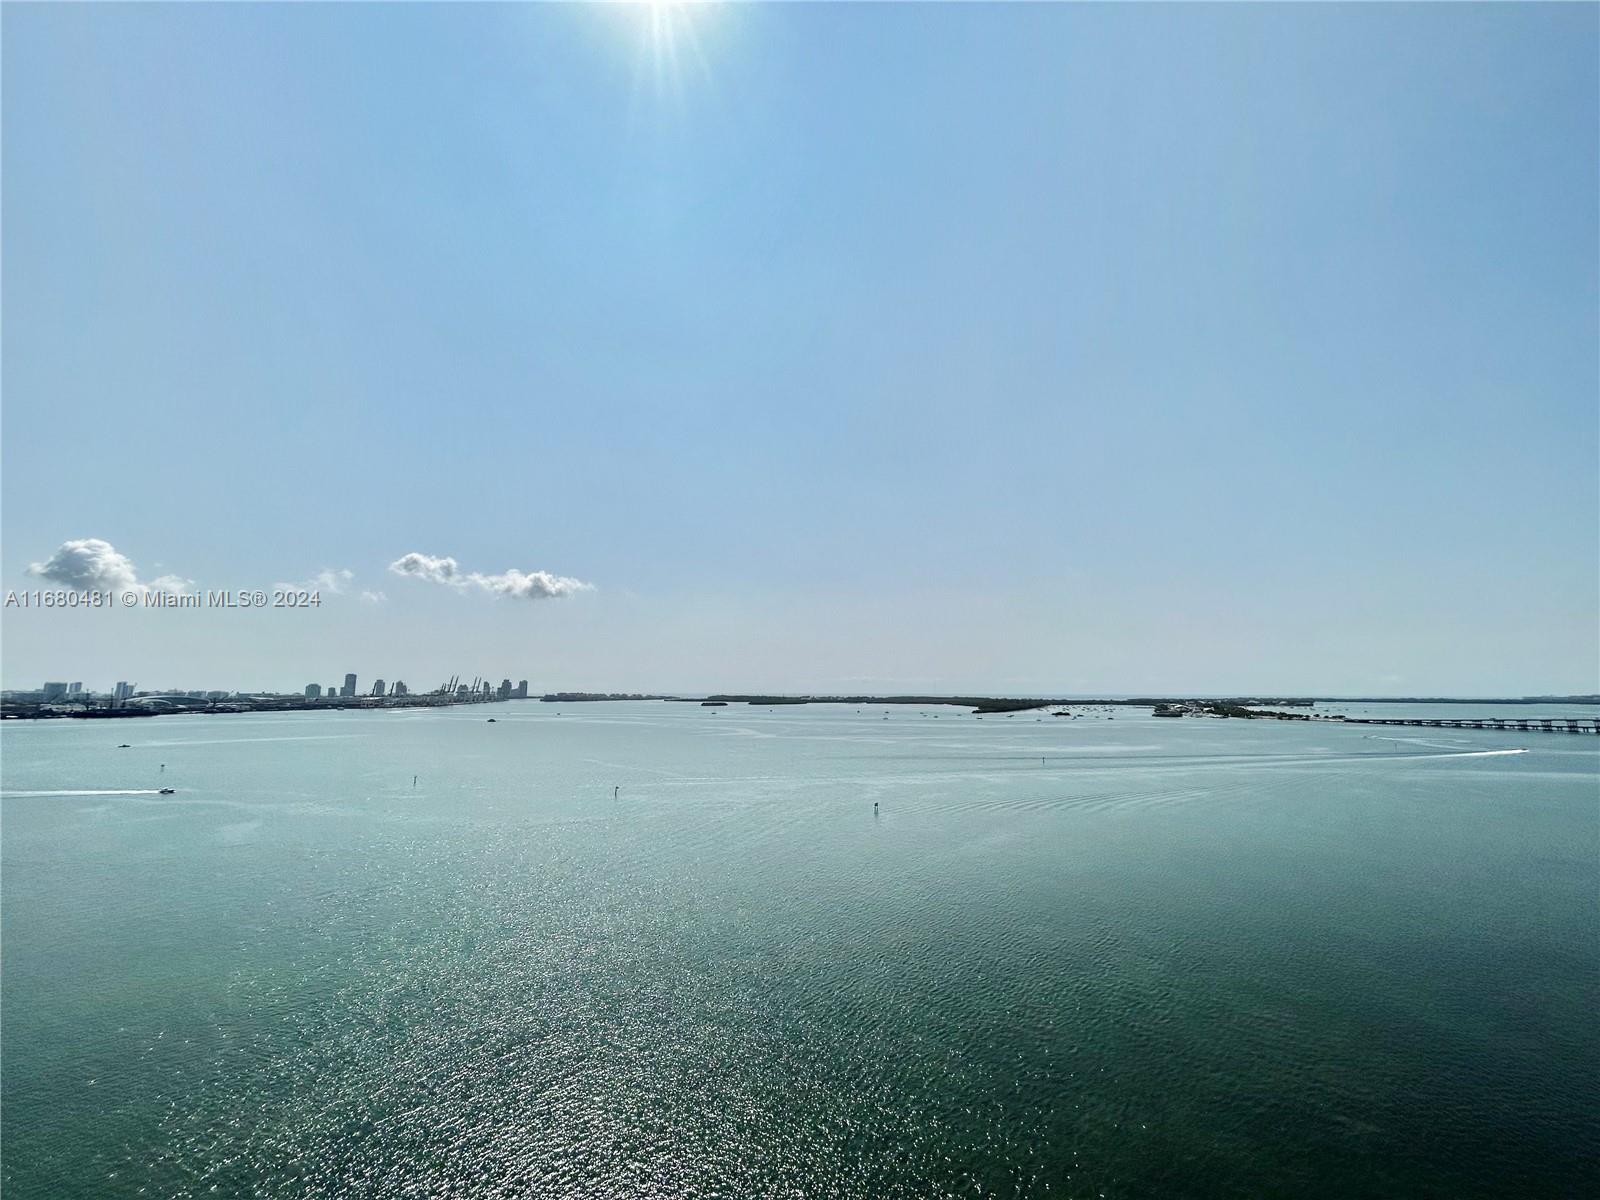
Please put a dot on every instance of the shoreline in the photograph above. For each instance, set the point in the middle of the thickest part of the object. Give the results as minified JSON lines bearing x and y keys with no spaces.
{"x":181,"y":707}
{"x":1251,"y":708}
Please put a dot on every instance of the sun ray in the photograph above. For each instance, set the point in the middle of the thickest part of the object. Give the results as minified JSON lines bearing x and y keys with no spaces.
{"x":669,"y":44}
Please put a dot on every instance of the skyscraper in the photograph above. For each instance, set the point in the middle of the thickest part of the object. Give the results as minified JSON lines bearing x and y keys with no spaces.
{"x":55,"y":691}
{"x":349,"y":688}
{"x":122,"y":691}
{"x":313,"y":691}
{"x":504,"y":691}
{"x":522,"y":690}
{"x":377,"y":687}
{"x":399,"y":688}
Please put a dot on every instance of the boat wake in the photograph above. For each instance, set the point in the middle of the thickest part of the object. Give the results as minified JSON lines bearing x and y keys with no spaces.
{"x":82,"y":792}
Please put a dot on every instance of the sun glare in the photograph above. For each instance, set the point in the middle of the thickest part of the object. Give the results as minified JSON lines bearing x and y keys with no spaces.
{"x":670,"y":43}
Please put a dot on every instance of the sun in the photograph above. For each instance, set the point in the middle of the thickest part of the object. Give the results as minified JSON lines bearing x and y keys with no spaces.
{"x":670,"y":42}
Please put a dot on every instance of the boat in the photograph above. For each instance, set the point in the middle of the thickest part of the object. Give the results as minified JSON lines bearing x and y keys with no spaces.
{"x":168,"y":791}
{"x":492,"y":720}
{"x":124,"y":746}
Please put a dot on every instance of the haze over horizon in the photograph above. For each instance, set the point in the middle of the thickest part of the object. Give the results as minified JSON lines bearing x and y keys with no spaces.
{"x":1034,"y":350}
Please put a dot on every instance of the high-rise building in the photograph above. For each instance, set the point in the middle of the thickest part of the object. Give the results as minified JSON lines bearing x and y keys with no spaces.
{"x":331,"y":691}
{"x":377,"y":687}
{"x":522,"y":690}
{"x":504,"y":691}
{"x":122,"y":691}
{"x":55,"y":691}
{"x":74,"y":689}
{"x":399,"y":688}
{"x":313,"y":691}
{"x":349,"y":688}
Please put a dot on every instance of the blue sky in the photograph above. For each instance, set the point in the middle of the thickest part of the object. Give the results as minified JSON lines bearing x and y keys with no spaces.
{"x":1013,"y":348}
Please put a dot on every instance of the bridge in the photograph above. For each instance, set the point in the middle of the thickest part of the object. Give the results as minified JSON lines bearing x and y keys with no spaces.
{"x":1504,"y":724}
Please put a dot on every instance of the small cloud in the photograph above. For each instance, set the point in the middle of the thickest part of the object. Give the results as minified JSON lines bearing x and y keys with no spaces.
{"x":535,"y":585}
{"x":326,"y":580}
{"x":425,"y":566}
{"x":374,"y":598}
{"x":512,"y":583}
{"x":333,"y":581}
{"x":95,"y":565}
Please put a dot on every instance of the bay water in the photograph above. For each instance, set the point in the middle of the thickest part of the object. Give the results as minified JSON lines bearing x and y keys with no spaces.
{"x":655,"y":949}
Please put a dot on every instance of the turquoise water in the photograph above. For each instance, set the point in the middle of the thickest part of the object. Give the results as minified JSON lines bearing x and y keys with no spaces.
{"x":1186,"y":958}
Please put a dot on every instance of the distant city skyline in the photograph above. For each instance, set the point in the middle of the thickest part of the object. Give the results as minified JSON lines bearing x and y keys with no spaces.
{"x":523,"y":690}
{"x":1025,"y":349}
{"x":74,"y":696}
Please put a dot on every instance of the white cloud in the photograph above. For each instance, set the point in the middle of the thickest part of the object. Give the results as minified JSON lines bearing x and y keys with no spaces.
{"x":95,"y":565}
{"x":334,"y":582}
{"x":534,"y":585}
{"x":374,"y":598}
{"x":425,"y":566}
{"x":518,"y":585}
